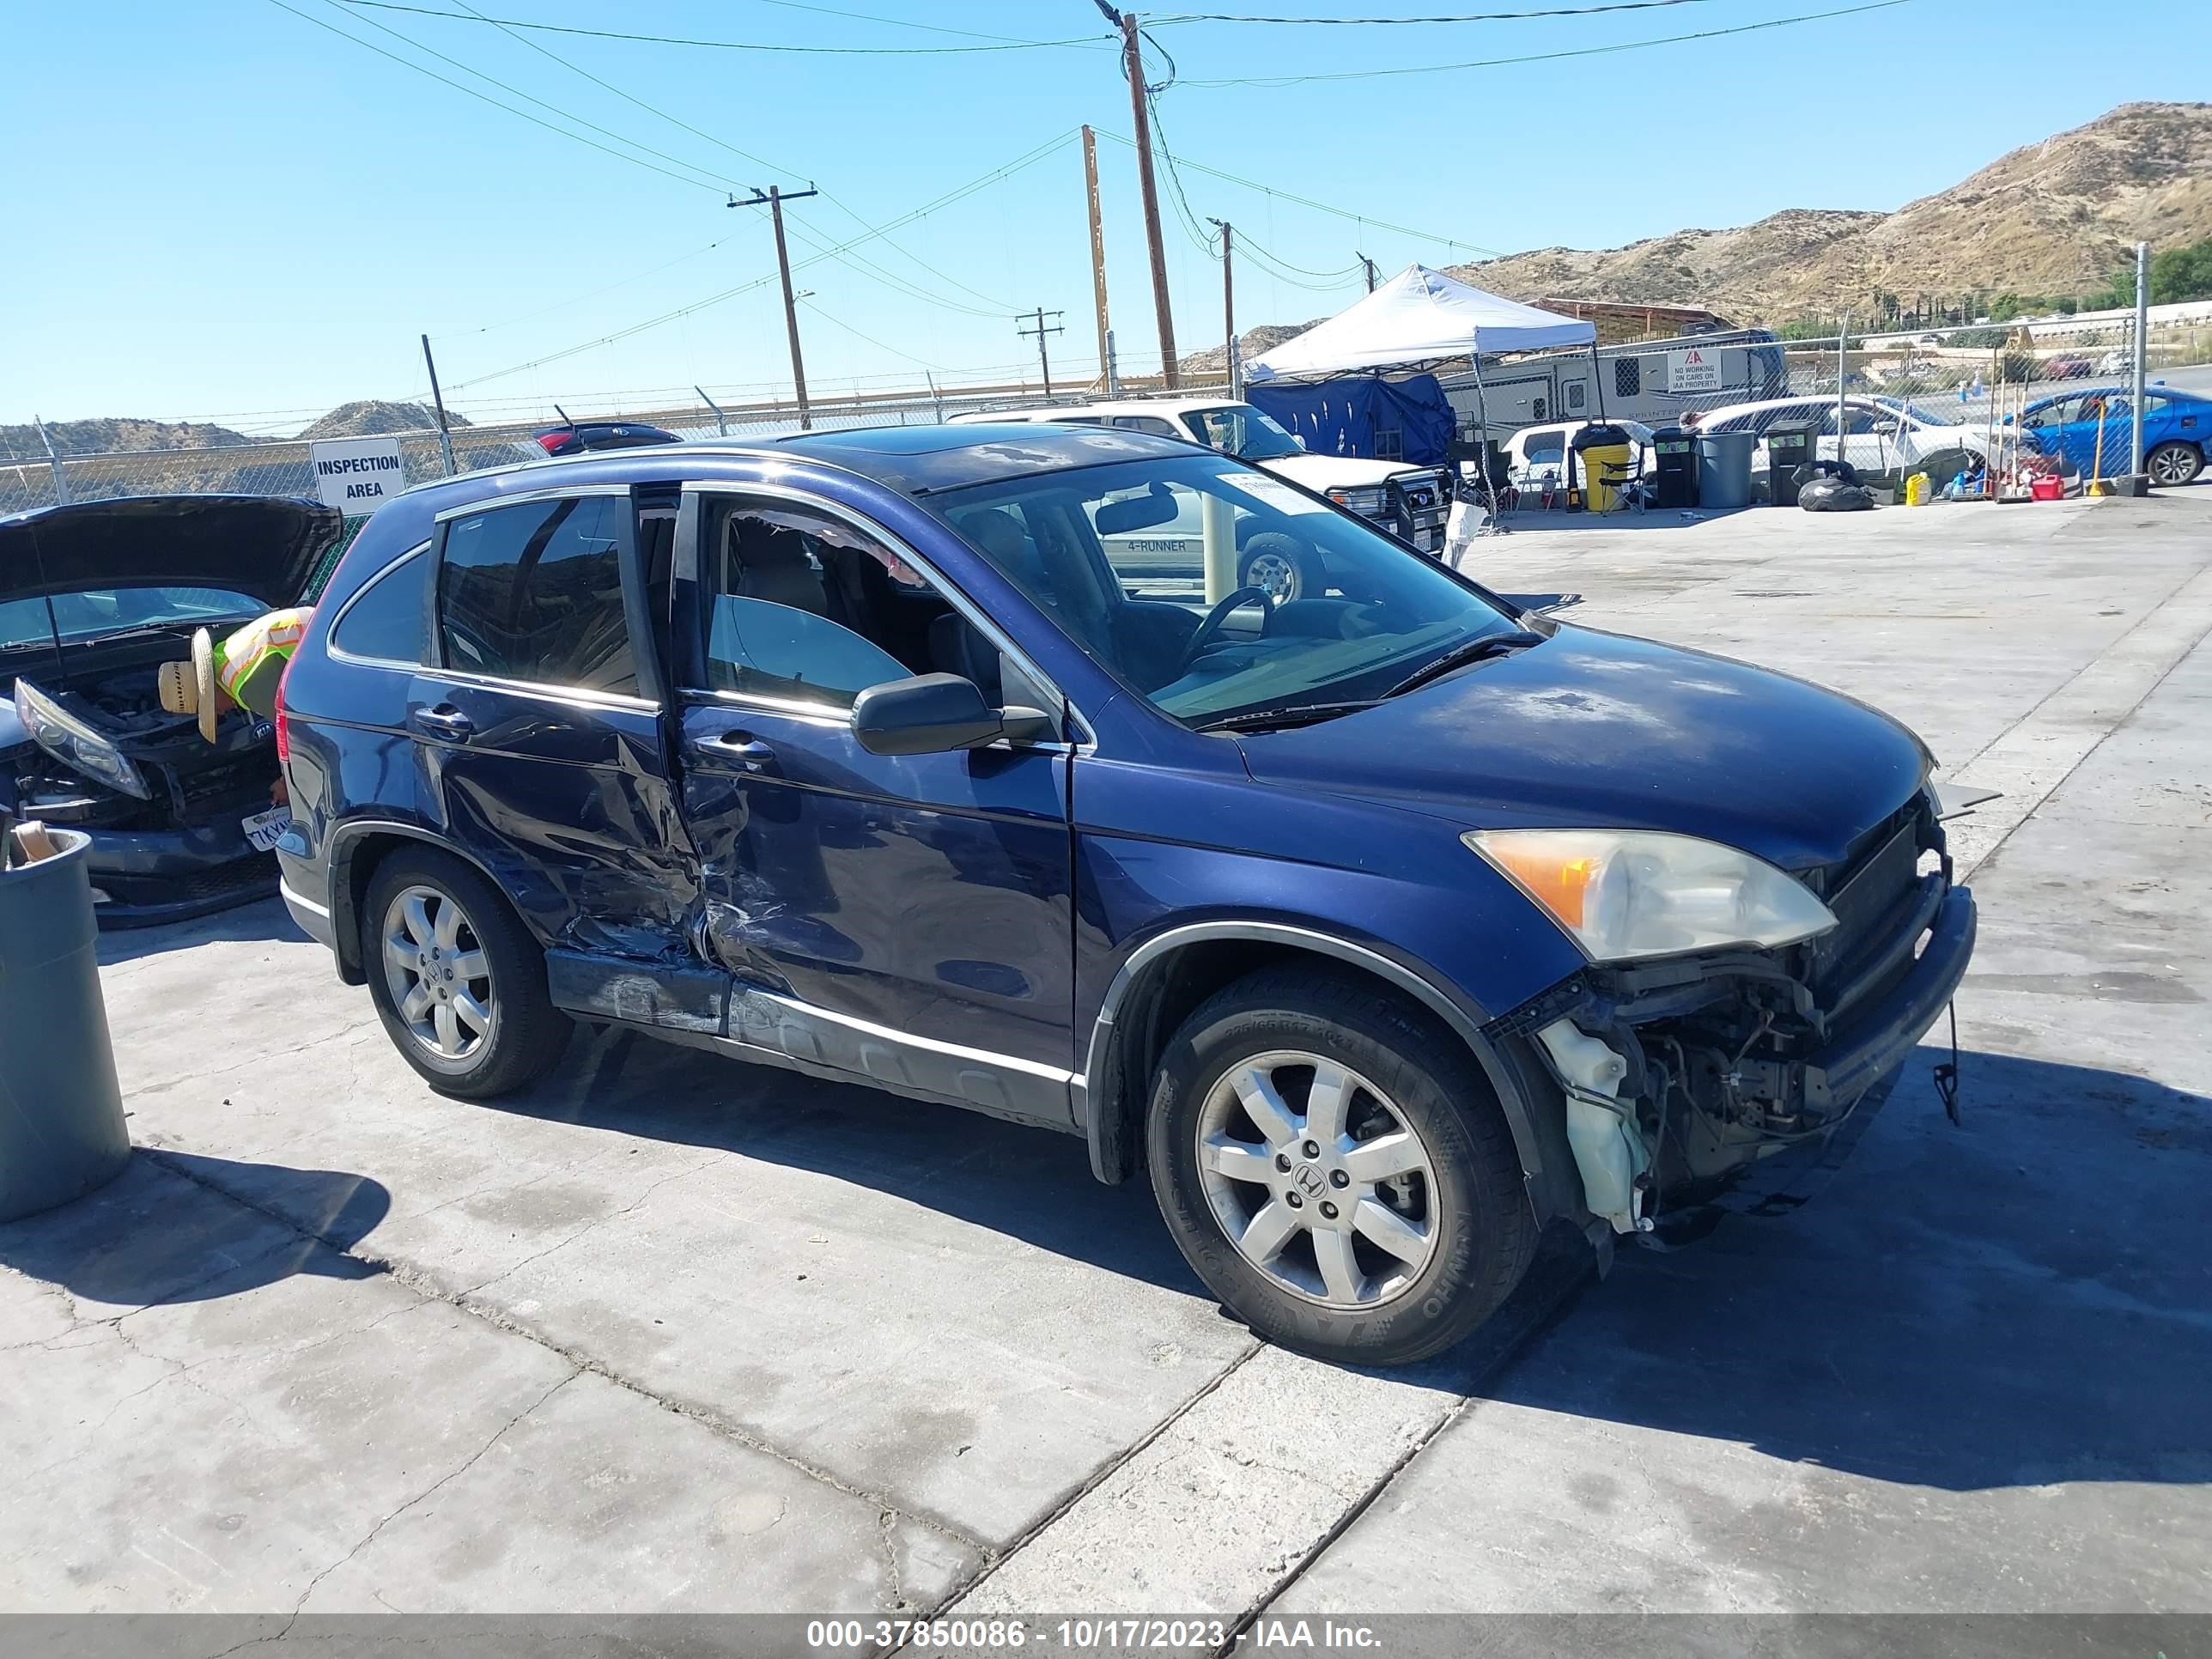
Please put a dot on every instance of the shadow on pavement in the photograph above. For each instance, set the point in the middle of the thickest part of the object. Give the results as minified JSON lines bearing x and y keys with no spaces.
{"x":262,"y":918}
{"x":1025,"y":1182}
{"x":155,"y":1234}
{"x":2021,"y":1301}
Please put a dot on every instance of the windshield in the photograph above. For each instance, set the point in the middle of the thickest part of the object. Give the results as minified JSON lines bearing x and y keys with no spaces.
{"x":1911,"y":412}
{"x":1241,"y":430}
{"x":100,"y":611}
{"x":1136,"y":562}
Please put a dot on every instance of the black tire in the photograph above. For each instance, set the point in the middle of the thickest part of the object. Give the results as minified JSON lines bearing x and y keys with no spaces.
{"x":1485,"y":1232}
{"x":1293,"y":568}
{"x":526,"y":1035}
{"x":2172,"y":465}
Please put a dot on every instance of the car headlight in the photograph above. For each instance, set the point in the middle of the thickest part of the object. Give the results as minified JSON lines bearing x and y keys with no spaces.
{"x":1627,"y":893}
{"x":1368,"y":501}
{"x":76,"y":745}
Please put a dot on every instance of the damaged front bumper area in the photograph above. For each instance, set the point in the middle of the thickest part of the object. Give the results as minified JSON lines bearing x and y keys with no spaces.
{"x":1678,"y":1075}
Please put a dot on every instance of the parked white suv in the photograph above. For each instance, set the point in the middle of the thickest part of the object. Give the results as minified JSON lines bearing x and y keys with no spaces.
{"x":1412,"y":502}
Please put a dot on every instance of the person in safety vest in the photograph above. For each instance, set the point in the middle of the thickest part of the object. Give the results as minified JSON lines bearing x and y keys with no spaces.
{"x":240,"y":669}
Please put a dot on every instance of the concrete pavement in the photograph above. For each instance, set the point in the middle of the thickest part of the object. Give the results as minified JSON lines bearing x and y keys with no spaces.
{"x":670,"y":1333}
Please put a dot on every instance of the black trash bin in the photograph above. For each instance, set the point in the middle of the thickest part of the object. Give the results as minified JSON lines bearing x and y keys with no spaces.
{"x":1675,"y":459}
{"x":61,"y":1112}
{"x":1787,"y":448}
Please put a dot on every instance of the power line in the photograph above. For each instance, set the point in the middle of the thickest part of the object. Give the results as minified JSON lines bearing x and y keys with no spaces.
{"x":879,"y":345}
{"x":566,"y":114}
{"x":729,"y":46}
{"x":650,"y":109}
{"x":485,"y":98}
{"x":995,"y":306}
{"x":1456,"y":17}
{"x":898,"y":22}
{"x":1308,"y":202}
{"x":996,"y":175}
{"x":1279,"y":81}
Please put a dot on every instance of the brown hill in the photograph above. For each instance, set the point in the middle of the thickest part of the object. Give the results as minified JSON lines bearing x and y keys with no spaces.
{"x":2052,"y":218}
{"x":371,"y":417}
{"x":112,"y":433}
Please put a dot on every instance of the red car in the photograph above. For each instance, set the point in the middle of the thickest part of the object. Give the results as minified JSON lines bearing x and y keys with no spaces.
{"x":2068,"y":367}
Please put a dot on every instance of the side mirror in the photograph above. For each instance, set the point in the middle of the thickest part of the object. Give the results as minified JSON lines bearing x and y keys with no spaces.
{"x":934,"y":714}
{"x":1298,"y":439}
{"x":1885,"y":428}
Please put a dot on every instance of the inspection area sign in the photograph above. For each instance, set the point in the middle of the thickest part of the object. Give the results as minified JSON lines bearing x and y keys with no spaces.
{"x":1697,"y":368}
{"x":357,"y":475}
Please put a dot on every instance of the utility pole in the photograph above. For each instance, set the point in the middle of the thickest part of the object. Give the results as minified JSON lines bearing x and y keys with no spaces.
{"x":1370,"y":264}
{"x":1045,"y":362}
{"x":1132,"y":66}
{"x":1097,"y":242}
{"x":2141,"y":355}
{"x":1228,"y":305}
{"x":438,"y":399}
{"x":776,"y":199}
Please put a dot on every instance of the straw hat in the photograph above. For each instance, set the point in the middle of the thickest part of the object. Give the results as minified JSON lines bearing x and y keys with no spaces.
{"x":184,"y":693}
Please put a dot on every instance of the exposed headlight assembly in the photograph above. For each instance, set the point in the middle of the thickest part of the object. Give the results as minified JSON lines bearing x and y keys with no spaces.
{"x":76,"y":745}
{"x":1627,"y":893}
{"x":1367,"y":500}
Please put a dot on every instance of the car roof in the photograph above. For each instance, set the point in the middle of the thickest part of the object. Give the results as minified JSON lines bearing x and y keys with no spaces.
{"x":914,"y":460}
{"x":2149,"y":387}
{"x":1109,"y":407}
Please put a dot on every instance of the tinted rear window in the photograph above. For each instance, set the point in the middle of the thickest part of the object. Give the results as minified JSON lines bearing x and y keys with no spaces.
{"x":385,"y":620}
{"x":534,"y":592}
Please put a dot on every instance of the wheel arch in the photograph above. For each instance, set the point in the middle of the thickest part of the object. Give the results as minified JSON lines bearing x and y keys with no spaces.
{"x":1163,"y":978}
{"x":355,"y":849}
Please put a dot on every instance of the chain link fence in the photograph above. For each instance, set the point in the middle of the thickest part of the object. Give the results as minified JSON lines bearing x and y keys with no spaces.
{"x":1908,"y":396}
{"x":284,"y":466}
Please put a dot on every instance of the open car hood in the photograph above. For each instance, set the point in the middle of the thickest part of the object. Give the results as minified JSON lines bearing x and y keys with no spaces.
{"x":266,"y":546}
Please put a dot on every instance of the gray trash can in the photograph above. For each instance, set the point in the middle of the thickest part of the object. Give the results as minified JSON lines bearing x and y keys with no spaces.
{"x":1724,"y":468}
{"x":61,"y":1112}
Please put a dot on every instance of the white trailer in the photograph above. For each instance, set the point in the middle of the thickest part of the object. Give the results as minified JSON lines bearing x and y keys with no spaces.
{"x":1649,"y":381}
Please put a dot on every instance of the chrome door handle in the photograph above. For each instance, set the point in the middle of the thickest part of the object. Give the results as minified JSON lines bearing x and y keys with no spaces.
{"x":741,"y":747}
{"x":444,"y":721}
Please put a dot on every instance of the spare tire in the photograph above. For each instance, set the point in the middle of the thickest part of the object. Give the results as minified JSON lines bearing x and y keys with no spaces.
{"x":1281,"y":566}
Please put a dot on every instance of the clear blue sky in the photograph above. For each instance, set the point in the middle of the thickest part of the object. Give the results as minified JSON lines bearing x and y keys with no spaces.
{"x":219,"y":209}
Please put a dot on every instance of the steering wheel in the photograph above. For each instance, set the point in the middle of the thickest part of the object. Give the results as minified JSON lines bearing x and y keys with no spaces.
{"x":1214,"y":618}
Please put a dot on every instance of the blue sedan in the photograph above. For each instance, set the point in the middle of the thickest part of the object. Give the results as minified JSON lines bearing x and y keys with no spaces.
{"x":2176,"y":425}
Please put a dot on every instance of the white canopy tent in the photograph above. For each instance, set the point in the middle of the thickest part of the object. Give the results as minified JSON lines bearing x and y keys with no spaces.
{"x":1421,"y":316}
{"x":1418,"y":316}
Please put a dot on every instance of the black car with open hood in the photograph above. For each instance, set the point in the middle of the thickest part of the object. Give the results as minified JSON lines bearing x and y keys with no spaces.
{"x":94,"y":597}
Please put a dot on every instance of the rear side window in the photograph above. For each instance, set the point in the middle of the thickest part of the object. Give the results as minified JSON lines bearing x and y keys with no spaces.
{"x":534,"y":592}
{"x":384,"y":621}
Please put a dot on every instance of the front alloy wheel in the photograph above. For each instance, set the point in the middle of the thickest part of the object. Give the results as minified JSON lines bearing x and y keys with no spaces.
{"x":1332,"y":1161}
{"x":440,"y":978}
{"x":1318,"y":1179}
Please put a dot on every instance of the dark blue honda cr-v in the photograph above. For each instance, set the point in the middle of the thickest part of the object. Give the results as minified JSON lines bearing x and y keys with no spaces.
{"x":1385,"y":925}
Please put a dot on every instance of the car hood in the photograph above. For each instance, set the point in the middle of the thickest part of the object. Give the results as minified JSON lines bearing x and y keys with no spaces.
{"x":1336,"y":471}
{"x":266,"y":546}
{"x":1591,"y":729}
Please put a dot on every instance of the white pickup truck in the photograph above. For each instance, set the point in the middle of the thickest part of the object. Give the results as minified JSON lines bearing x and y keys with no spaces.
{"x":1412,"y":502}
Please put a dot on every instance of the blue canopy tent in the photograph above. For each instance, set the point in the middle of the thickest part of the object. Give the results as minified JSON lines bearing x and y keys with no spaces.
{"x":1344,"y":416}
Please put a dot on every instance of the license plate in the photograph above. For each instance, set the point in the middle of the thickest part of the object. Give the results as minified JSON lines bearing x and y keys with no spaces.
{"x":263,"y":829}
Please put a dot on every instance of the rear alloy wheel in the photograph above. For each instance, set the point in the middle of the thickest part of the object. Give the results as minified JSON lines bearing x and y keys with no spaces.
{"x":437,"y":972}
{"x":2173,"y":464}
{"x":1334,"y":1166}
{"x":458,"y":983}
